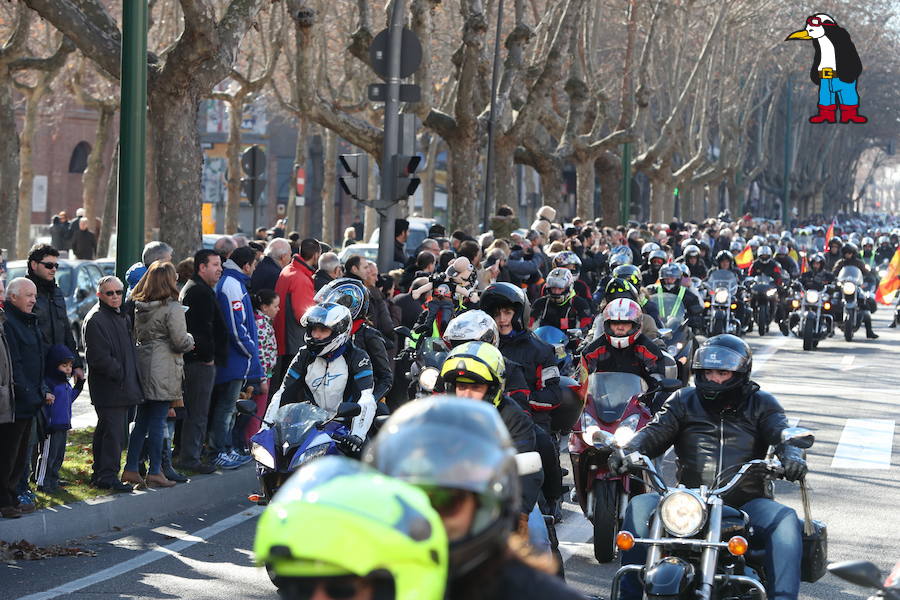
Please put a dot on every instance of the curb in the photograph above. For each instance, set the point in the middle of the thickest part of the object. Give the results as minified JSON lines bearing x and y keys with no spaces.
{"x":57,"y":524}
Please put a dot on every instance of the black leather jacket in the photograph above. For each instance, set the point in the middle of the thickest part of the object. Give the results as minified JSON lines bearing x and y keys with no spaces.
{"x":538,"y":361}
{"x":710,"y":442}
{"x":816,"y":280}
{"x":370,"y":339}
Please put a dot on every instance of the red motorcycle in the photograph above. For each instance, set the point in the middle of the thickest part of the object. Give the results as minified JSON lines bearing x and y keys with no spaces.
{"x":615,"y":403}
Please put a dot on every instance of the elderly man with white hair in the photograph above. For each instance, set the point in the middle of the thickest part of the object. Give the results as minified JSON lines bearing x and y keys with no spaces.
{"x":153,"y":251}
{"x":330,"y":268}
{"x":276,"y":257}
{"x":25,"y":346}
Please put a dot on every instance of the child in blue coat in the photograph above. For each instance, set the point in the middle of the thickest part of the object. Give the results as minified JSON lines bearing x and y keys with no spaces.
{"x":58,"y":416}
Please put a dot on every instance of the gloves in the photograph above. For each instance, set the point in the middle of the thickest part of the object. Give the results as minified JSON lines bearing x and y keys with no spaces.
{"x":353,"y":444}
{"x":794,"y":468}
{"x":616,"y":463}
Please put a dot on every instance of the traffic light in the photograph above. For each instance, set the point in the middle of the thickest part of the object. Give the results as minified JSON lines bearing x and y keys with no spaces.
{"x":355,"y":180}
{"x":404,"y":168}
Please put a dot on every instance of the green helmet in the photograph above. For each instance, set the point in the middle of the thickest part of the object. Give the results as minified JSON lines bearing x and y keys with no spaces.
{"x":336,"y":517}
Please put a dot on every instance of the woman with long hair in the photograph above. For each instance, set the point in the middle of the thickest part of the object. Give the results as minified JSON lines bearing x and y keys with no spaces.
{"x":160,"y":332}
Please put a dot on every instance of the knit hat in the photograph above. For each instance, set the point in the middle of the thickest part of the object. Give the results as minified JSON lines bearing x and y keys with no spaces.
{"x":546,"y":213}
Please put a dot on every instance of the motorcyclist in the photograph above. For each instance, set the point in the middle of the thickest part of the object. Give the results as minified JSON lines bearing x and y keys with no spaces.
{"x":833,"y":253}
{"x":560,"y":306}
{"x":626,"y":283}
{"x":621,"y":347}
{"x":459,"y":452}
{"x":784,"y":260}
{"x":850,"y":258}
{"x":329,"y":370}
{"x":355,"y":296}
{"x":725,"y":262}
{"x":646,"y":249}
{"x":670,"y":282}
{"x":333,"y":504}
{"x":715,"y":427}
{"x":764,"y":265}
{"x":885,"y":250}
{"x":818,"y":276}
{"x":868,"y":253}
{"x":650,"y":273}
{"x":691,"y":257}
{"x":569,"y":260}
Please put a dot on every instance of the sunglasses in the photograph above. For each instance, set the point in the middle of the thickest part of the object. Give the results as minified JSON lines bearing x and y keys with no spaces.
{"x":817,"y":22}
{"x":112,"y":293}
{"x":446,"y":501}
{"x":50,"y":265}
{"x":338,"y":588}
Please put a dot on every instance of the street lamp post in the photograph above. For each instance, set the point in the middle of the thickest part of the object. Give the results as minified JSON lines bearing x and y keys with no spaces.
{"x":492,"y":122}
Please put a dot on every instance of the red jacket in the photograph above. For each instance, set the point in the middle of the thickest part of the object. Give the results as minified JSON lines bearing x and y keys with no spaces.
{"x":296,"y":290}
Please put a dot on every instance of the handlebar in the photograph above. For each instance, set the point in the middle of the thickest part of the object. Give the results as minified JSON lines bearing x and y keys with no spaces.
{"x":643,"y":463}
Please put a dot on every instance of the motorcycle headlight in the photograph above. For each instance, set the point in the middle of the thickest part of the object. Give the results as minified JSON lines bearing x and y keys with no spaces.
{"x":311,"y":453}
{"x":626,"y":430}
{"x":771,"y":292}
{"x":812,"y":296}
{"x":682,"y":513}
{"x":849,"y":288}
{"x":721,"y":297}
{"x":589,"y":427}
{"x":262,"y":456}
{"x":428,"y":378}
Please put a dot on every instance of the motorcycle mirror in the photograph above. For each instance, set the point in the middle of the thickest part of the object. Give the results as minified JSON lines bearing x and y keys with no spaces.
{"x":575,"y":333}
{"x":859,"y":572}
{"x":246,"y":407}
{"x":403,"y":331}
{"x":348,"y":409}
{"x":528,"y":463}
{"x":670,"y":385}
{"x":665,"y":332}
{"x":798,"y":437}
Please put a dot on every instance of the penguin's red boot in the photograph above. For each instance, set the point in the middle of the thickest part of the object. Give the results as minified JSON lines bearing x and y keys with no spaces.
{"x":827,"y":114}
{"x":849,"y":114}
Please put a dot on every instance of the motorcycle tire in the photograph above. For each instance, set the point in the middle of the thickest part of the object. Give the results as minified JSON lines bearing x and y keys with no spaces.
{"x":606,"y":520}
{"x":809,"y":335}
{"x":763,"y":320}
{"x":718,"y":327}
{"x":849,"y":323}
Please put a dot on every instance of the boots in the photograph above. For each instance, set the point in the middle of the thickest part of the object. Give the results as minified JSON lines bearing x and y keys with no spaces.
{"x":159,"y":481}
{"x":135,"y":478}
{"x":849,"y":114}
{"x":827,"y":114}
{"x":167,"y":469}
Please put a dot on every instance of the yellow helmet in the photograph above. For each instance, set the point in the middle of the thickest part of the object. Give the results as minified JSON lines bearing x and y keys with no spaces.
{"x":477,"y":362}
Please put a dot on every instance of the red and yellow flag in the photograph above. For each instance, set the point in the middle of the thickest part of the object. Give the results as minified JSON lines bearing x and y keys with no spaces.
{"x":829,"y":234}
{"x":745,"y":258}
{"x":890,"y":283}
{"x":804,"y":264}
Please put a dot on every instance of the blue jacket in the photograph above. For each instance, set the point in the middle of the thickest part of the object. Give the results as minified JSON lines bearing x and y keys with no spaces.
{"x":59,"y":414}
{"x":243,"y":341}
{"x":26,"y":349}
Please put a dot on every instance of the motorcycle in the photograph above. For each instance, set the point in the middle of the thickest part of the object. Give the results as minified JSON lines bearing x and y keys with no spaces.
{"x":812,"y":320}
{"x":425,"y":355}
{"x":865,"y":574}
{"x":763,"y":299}
{"x":301,"y":432}
{"x":573,"y":375}
{"x":677,"y":336}
{"x":850,"y":282}
{"x":722,"y":304}
{"x":692,"y":527}
{"x":616,"y":404}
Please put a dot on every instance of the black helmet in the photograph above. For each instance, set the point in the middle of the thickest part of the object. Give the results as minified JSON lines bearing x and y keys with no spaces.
{"x":505,"y":295}
{"x":629,"y":273}
{"x":724,"y":352}
{"x":724,"y":255}
{"x":850,"y":248}
{"x":817,"y":259}
{"x":445,"y":445}
{"x":619,"y":288}
{"x":835,"y":241}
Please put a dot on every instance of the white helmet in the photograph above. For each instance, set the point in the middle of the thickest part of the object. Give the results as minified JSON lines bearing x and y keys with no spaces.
{"x":472,"y":326}
{"x":335,"y":317}
{"x":622,"y":310}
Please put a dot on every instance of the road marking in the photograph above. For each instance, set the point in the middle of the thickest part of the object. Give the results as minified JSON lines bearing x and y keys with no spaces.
{"x":865,"y":444}
{"x":793,"y":422}
{"x":761,"y":358}
{"x":575,"y":530}
{"x":151,"y":556}
{"x":847,"y":362}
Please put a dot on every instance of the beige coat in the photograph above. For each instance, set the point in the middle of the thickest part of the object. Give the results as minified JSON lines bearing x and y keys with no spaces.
{"x":161,"y":335}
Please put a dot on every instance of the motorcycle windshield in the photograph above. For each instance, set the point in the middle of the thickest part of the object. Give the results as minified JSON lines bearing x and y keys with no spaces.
{"x":763,"y":279}
{"x":720,"y":279}
{"x":851,"y":274}
{"x":611,"y":392}
{"x":671,"y":308}
{"x":294,"y":421}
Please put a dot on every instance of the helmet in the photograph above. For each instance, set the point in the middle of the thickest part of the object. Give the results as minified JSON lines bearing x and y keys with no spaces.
{"x":647,"y":248}
{"x":685,"y":270}
{"x":505,"y":295}
{"x":781,"y":250}
{"x":736,"y":246}
{"x":754,"y":242}
{"x":620,"y":255}
{"x":335,"y":317}
{"x":867,"y":241}
{"x":629,"y":273}
{"x":477,"y":362}
{"x":444,"y":444}
{"x":835,"y":241}
{"x":619,"y":288}
{"x":691,"y":251}
{"x":884,"y":240}
{"x":472,"y":326}
{"x":558,"y":340}
{"x":622,"y":310}
{"x":560,"y":278}
{"x":670,"y":271}
{"x":568,"y":260}
{"x":724,"y":255}
{"x":817,"y":259}
{"x":850,"y":248}
{"x":764,"y":254}
{"x":334,"y":503}
{"x":724,"y":352}
{"x":657,"y":255}
{"x":346,"y":292}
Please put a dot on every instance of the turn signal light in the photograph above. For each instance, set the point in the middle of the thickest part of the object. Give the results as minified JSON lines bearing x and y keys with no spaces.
{"x":795,"y":303}
{"x":827,"y":306}
{"x":625,"y":541}
{"x":734,"y":307}
{"x":253,"y":498}
{"x":707,"y":304}
{"x":737,"y":546}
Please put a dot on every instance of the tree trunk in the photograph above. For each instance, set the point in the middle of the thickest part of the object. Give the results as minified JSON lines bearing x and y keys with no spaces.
{"x":584,"y":188}
{"x":328,"y":190}
{"x":178,"y":161}
{"x":609,"y":171}
{"x":463,"y":187}
{"x":504,"y":173}
{"x":233,"y":186}
{"x":151,"y":187}
{"x":551,"y":184}
{"x":662,"y":202}
{"x":9,"y":167}
{"x":26,"y":168}
{"x":111,"y":207}
{"x":90,"y":180}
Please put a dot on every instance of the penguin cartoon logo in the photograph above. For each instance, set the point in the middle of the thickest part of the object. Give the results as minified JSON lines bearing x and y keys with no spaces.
{"x":835,"y":69}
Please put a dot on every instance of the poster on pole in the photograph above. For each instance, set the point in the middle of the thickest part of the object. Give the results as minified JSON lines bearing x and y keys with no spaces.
{"x":39,"y":194}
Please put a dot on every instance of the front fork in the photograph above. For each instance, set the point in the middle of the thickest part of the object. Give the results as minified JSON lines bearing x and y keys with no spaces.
{"x":710,"y":557}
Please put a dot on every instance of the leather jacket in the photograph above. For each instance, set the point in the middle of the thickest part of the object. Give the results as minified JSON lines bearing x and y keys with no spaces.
{"x":538,"y":362}
{"x":714,"y":441}
{"x":574,"y":314}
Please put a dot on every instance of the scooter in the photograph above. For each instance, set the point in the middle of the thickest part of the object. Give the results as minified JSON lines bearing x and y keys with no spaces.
{"x":616,"y":404}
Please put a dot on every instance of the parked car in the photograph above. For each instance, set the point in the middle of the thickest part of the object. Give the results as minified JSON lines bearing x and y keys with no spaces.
{"x":418,"y":231}
{"x":370,"y":251}
{"x":78,"y":281}
{"x":107,"y":265}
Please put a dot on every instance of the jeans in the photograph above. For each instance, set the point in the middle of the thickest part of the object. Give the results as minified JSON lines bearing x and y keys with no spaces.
{"x":150,"y":422}
{"x":224,"y":410}
{"x":53,"y":452}
{"x":834,"y":91}
{"x":776,"y":528}
{"x":198,"y":386}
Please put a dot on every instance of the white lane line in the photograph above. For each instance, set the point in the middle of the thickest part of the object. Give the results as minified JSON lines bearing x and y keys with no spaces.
{"x":151,"y":556}
{"x":761,"y":358}
{"x":793,"y":421}
{"x":574,"y":531}
{"x":847,"y":362}
{"x":865,"y":444}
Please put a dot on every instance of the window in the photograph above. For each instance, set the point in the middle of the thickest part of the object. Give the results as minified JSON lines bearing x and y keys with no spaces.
{"x":79,"y":160}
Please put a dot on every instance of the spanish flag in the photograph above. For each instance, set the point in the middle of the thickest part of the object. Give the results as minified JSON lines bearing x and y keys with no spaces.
{"x":890,"y":283}
{"x":829,"y":234}
{"x":745,"y":258}
{"x":804,"y":264}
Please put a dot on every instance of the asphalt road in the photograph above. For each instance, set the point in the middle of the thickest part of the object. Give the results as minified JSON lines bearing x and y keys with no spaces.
{"x":845,"y":392}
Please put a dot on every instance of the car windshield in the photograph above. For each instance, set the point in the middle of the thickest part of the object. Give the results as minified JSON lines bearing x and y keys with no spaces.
{"x":851,"y":274}
{"x":611,"y":392}
{"x":64,"y":278}
{"x":294,"y":421}
{"x":719,"y":279}
{"x":370,"y":252}
{"x":670,"y":307}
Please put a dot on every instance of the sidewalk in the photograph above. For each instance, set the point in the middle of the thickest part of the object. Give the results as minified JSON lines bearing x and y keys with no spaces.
{"x":59,"y":524}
